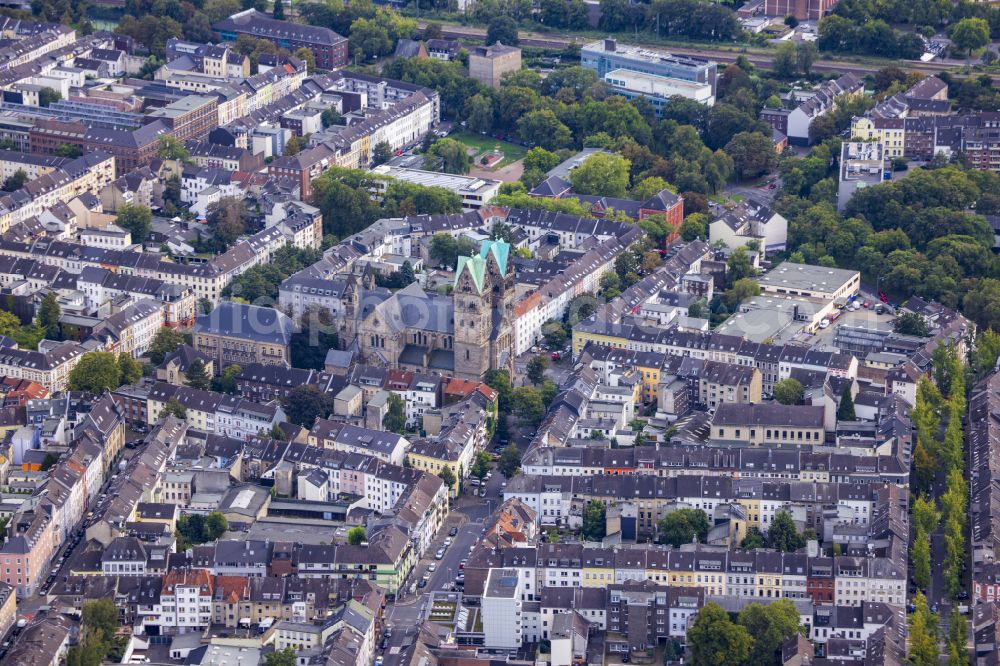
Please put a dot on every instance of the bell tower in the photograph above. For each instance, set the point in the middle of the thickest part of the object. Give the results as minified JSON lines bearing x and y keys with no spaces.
{"x":473,"y":317}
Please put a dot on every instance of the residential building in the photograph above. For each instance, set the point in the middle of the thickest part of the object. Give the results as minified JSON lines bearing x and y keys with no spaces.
{"x":244,"y":334}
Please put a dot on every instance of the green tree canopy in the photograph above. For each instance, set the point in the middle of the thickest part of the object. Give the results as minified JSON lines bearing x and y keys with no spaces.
{"x":305,"y":404}
{"x":715,"y":640}
{"x":683,"y":526}
{"x":782,"y":535}
{"x":197,"y":375}
{"x":395,"y":416}
{"x":95,"y":372}
{"x":603,"y":175}
{"x":510,"y":460}
{"x":356,"y":536}
{"x":136,"y":219}
{"x":594,"y":526}
{"x":788,"y":391}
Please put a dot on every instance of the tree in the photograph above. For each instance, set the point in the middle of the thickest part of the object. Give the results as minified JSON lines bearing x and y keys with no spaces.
{"x":694,"y":227}
{"x":502,"y":29}
{"x":536,"y":369}
{"x":788,"y":391}
{"x":958,"y":636}
{"x":293,"y":146}
{"x":754,"y":539}
{"x":715,"y":640}
{"x":356,"y":536}
{"x":445,"y":249}
{"x":453,"y":156}
{"x":48,"y":316}
{"x":594,"y":525}
{"x":215,"y":526}
{"x":911,"y":323}
{"x":845,"y":411}
{"x":448,"y":477}
{"x":923,"y":633}
{"x":173,"y":407}
{"x":741,"y":290}
{"x":510,"y":461}
{"x":197,"y":375}
{"x":307,"y":56}
{"x":69,"y":150}
{"x":395,"y":417}
{"x":806,"y":54}
{"x":47,"y":96}
{"x":279,"y":11}
{"x":131,"y":369}
{"x":101,"y":616}
{"x":49,"y":461}
{"x":770,"y":625}
{"x":330,"y":117}
{"x":543,"y":127}
{"x":970,"y":34}
{"x":481,"y":465}
{"x":738,"y":266}
{"x":555,"y":334}
{"x":226,"y":381}
{"x":135,"y":219}
{"x":526,"y":403}
{"x":602,"y":174}
{"x":683,"y":526}
{"x":753,"y":154}
{"x":284,"y":657}
{"x":784,"y":63}
{"x":305,"y":404}
{"x":95,"y":372}
{"x":479,"y":113}
{"x":15,"y":181}
{"x":381,"y":153}
{"x":920,"y":555}
{"x":167,"y":341}
{"x":539,"y":159}
{"x":172,"y":148}
{"x":782,"y":535}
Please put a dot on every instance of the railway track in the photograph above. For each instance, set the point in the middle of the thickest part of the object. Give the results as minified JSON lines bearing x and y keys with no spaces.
{"x":719,"y":55}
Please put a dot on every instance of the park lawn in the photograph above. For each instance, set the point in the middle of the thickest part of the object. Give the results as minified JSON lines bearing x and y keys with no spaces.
{"x":511,"y":151}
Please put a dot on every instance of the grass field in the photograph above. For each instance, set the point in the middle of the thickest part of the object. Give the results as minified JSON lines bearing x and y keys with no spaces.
{"x":511,"y":151}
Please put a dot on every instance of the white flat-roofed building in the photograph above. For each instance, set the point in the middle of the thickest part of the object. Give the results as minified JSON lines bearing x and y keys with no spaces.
{"x":501,"y":609}
{"x":658,"y":89}
{"x":811,"y":281}
{"x":862,"y":164}
{"x":474,"y":192}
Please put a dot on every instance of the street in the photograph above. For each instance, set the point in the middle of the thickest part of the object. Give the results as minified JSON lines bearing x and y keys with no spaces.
{"x":468,"y":515}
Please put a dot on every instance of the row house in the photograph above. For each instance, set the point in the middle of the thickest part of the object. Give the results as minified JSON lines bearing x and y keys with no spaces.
{"x":385,"y":560}
{"x":763,"y":463}
{"x":717,"y":572}
{"x":227,"y":415}
{"x":560,"y":500}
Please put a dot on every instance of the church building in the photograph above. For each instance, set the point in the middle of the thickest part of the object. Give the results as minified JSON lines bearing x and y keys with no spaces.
{"x":464,"y":334}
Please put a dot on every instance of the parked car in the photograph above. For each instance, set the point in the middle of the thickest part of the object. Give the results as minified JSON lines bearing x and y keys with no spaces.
{"x":422,"y":584}
{"x":439,"y":555}
{"x":432,"y":567}
{"x":453,"y":531}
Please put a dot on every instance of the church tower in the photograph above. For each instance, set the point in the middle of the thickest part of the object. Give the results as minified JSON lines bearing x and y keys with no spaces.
{"x":473,"y":317}
{"x":484,"y":311}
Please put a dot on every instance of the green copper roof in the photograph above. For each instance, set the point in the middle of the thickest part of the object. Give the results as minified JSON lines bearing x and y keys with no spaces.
{"x":500,"y":250}
{"x":477,"y":265}
{"x":477,"y":269}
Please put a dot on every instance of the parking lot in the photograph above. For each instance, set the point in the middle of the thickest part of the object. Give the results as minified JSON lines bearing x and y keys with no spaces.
{"x":860,"y":318}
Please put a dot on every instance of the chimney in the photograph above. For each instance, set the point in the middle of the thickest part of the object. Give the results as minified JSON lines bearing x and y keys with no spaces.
{"x":610,"y":45}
